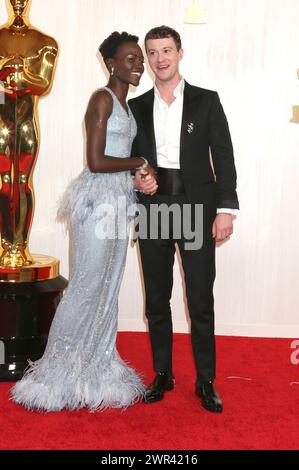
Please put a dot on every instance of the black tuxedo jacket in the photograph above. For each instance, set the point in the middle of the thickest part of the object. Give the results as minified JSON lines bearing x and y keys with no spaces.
{"x":204,"y":132}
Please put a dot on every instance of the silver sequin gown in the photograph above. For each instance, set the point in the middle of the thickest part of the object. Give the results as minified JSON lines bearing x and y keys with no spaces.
{"x":81,"y":366}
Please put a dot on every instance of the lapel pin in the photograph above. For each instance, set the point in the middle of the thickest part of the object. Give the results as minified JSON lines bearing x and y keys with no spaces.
{"x":190,"y":127}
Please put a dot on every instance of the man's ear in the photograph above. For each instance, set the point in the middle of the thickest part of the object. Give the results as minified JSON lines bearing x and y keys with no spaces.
{"x":181,"y":54}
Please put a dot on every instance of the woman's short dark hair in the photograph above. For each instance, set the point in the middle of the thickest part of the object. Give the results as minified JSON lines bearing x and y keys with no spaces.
{"x":161,"y":32}
{"x":110,"y":45}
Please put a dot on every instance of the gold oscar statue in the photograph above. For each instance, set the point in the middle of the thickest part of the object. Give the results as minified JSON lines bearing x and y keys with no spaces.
{"x":295,"y":117}
{"x":27,"y":66}
{"x":30,"y":285}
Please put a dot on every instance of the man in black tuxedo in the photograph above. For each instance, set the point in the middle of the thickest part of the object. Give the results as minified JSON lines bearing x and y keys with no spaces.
{"x":183,"y":133}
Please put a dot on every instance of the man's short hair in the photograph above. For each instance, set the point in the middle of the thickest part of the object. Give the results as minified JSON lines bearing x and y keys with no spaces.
{"x":161,"y":32}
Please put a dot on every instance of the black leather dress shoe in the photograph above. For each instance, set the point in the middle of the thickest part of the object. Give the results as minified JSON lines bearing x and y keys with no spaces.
{"x":163,"y":382}
{"x":210,"y":399}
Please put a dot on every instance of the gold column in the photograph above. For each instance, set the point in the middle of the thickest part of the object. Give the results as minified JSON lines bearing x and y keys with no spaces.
{"x":295,"y":117}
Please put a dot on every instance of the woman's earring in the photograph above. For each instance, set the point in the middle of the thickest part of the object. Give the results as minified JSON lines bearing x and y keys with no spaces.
{"x":112,"y":72}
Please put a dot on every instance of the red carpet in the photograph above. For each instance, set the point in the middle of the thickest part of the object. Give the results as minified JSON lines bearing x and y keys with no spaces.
{"x":261,"y":413}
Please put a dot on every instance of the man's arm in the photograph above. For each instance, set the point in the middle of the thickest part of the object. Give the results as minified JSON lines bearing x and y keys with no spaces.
{"x":223,"y":157}
{"x":143,"y":181}
{"x":225,"y":171}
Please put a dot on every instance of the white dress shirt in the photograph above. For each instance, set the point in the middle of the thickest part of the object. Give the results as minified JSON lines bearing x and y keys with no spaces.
{"x":167,"y":124}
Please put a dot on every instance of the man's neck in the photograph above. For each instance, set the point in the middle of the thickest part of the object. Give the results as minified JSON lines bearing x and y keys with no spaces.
{"x":166,"y":89}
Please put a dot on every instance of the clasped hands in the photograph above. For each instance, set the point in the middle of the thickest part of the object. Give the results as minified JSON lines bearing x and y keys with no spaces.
{"x":145,"y":181}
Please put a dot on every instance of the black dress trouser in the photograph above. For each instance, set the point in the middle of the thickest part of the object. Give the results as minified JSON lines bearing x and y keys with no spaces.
{"x":157,"y":256}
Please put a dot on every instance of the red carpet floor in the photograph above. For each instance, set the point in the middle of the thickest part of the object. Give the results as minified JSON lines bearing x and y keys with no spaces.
{"x":258,"y":384}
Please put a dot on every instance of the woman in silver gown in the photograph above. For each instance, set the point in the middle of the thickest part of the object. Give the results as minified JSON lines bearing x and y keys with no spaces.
{"x":81,"y":366}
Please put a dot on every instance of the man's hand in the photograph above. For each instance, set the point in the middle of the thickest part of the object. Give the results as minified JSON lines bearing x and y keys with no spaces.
{"x":222,"y":227}
{"x":145,"y":181}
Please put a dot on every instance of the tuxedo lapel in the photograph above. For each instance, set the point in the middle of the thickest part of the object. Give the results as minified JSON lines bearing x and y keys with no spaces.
{"x":147,"y":117}
{"x":190,"y":107}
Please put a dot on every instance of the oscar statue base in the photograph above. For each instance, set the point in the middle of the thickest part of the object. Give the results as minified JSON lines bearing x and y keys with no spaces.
{"x":29,"y":297}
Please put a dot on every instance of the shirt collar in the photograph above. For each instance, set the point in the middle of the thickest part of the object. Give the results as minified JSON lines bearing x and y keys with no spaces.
{"x":177,"y":92}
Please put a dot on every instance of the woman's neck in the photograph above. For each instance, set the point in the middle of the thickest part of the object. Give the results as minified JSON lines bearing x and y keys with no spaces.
{"x":119,"y":89}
